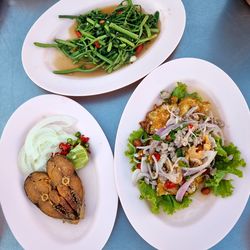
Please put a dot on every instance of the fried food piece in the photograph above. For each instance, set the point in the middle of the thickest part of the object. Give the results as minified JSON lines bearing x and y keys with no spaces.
{"x":37,"y":187}
{"x":66,"y":181}
{"x":189,"y":102}
{"x":58,"y":193}
{"x":156,"y":119}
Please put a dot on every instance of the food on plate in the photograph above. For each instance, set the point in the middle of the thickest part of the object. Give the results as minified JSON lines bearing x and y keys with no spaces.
{"x":107,"y":41}
{"x":50,"y":157}
{"x":53,"y":135}
{"x":58,"y":192}
{"x":179,"y":150}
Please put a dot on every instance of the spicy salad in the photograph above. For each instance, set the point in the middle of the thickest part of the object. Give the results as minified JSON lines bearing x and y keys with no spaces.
{"x":179,"y":150}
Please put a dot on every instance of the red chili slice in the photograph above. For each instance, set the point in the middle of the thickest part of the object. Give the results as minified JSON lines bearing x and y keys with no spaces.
{"x":64,"y":146}
{"x":169,"y":185}
{"x":78,"y":34}
{"x":84,"y":139}
{"x":157,"y":156}
{"x":97,"y":44}
{"x":139,"y":49}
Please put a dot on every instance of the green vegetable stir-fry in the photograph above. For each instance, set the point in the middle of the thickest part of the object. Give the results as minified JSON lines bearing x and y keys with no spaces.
{"x":179,"y":150}
{"x":107,"y":41}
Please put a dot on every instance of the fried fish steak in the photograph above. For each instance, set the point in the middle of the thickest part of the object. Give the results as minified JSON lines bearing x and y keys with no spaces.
{"x":58,"y":193}
{"x":66,"y":181}
{"x":38,"y":188}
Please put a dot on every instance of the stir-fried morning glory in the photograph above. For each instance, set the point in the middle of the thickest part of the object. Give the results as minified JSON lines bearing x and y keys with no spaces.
{"x":180,"y":149}
{"x":107,"y":41}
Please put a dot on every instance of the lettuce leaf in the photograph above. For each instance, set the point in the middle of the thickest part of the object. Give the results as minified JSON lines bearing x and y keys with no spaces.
{"x":137,"y":134}
{"x":170,"y":205}
{"x":149,"y":194}
{"x":224,"y":189}
{"x":219,"y":148}
{"x":228,"y":161}
{"x":231,"y":162}
{"x":167,"y":202}
{"x":180,"y":91}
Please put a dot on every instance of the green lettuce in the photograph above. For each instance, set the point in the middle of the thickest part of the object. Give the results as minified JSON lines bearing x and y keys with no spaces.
{"x":137,"y":134}
{"x":228,"y":161}
{"x":180,"y":91}
{"x":168,"y":203}
{"x":224,"y":189}
{"x":219,"y":148}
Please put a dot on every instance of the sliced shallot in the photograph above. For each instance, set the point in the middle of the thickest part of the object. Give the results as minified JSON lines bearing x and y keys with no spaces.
{"x":183,"y":189}
{"x":210,"y":155}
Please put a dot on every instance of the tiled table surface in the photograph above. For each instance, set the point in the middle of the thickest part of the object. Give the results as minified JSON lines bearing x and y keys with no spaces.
{"x":216,"y":30}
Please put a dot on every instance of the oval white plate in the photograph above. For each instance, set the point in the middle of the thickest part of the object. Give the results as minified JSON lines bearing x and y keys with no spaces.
{"x":206,"y":221}
{"x":38,"y":63}
{"x":31,"y":227}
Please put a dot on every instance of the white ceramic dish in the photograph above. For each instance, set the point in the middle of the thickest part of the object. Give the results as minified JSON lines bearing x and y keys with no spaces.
{"x":209,"y":219}
{"x":38,"y":63}
{"x":32,"y":228}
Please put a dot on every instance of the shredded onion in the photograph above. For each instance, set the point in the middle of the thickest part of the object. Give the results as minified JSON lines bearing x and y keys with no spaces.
{"x":43,"y":140}
{"x":138,"y":175}
{"x":210,"y":157}
{"x":183,"y":189}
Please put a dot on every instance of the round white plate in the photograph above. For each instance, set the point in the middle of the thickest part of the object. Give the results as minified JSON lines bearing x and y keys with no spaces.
{"x":208,"y":219}
{"x":32,"y":228}
{"x":38,"y":62}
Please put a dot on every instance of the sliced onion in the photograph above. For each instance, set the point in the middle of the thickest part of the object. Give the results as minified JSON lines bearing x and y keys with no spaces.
{"x":164,"y":132}
{"x":191,"y":111}
{"x":153,"y":145}
{"x":43,"y":140}
{"x":183,"y":189}
{"x":138,"y":175}
{"x":144,"y":167}
{"x":156,"y":167}
{"x":152,"y":177}
{"x":210,"y":157}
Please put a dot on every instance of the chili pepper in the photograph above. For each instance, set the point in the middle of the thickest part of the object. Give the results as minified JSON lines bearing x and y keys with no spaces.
{"x":157,"y":156}
{"x":169,"y":185}
{"x":84,"y":139}
{"x":97,"y":44}
{"x":78,"y":33}
{"x":139,"y":49}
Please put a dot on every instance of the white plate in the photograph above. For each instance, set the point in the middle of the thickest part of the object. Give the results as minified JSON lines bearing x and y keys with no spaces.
{"x":206,"y":221}
{"x":38,"y":63}
{"x":32,"y":228}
